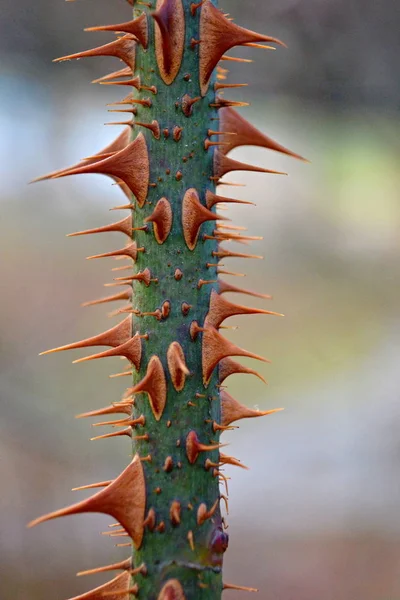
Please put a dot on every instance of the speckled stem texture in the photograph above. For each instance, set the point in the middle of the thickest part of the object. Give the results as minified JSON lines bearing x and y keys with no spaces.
{"x":177,"y":130}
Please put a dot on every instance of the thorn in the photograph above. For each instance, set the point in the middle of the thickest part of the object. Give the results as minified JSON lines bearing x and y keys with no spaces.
{"x":112,"y":337}
{"x":127,"y":431}
{"x":138,"y":28}
{"x":108,"y":410}
{"x":124,"y":500}
{"x":161,"y":218}
{"x":177,"y":366}
{"x":124,"y":295}
{"x":228,"y":366}
{"x":232,"y":410}
{"x":224,"y":165}
{"x":123,"y":226}
{"x":247,"y":134}
{"x":172,"y":590}
{"x":194,"y":214}
{"x":125,"y":565}
{"x":221,"y":309}
{"x":175,"y":513}
{"x":241,"y":588}
{"x":123,"y":48}
{"x":222,"y":253}
{"x":190,"y":538}
{"x":169,"y":38}
{"x":203,"y":514}
{"x":129,"y":165}
{"x":230,"y":460}
{"x":154,"y":127}
{"x":92,"y":485}
{"x":131,"y":349}
{"x":215,"y":347}
{"x":154,"y":384}
{"x":194,"y":447}
{"x":225,"y":287}
{"x":218,"y":35}
{"x":126,"y":72}
{"x":188,"y":103}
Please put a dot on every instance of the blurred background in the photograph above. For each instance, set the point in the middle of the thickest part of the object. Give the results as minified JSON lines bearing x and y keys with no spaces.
{"x":317,"y":516}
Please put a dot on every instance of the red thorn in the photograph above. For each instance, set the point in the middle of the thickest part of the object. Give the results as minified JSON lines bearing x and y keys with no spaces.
{"x":142,"y":276}
{"x":132,"y":350}
{"x":221,"y":309}
{"x":131,"y":165}
{"x":154,"y":384}
{"x":92,"y":486}
{"x":138,"y":27}
{"x":118,"y":144}
{"x":127,"y":431}
{"x":223,"y":165}
{"x":161,"y":218}
{"x":172,"y":590}
{"x":230,"y":460}
{"x":203,"y":514}
{"x":124,"y":565}
{"x":175,"y":513}
{"x":107,"y":410}
{"x":241,"y":588}
{"x":115,"y":336}
{"x":247,"y":134}
{"x":225,"y":287}
{"x":215,"y":347}
{"x":222,"y":253}
{"x":212,"y":199}
{"x":124,"y":500}
{"x":194,"y":447}
{"x":123,"y":226}
{"x":218,"y":34}
{"x":188,"y":103}
{"x":169,"y":38}
{"x":123,"y":48}
{"x":126,"y":72}
{"x":177,"y":366}
{"x":194,"y":214}
{"x":124,"y":295}
{"x":130,"y":251}
{"x":232,"y":410}
{"x":228,"y":366}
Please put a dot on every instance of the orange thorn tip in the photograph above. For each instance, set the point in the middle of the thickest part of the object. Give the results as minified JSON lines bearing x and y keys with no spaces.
{"x":129,"y":166}
{"x":240,"y":588}
{"x":154,"y":384}
{"x":215,"y":347}
{"x":131,"y":349}
{"x":113,"y":590}
{"x":171,"y":590}
{"x":123,"y":48}
{"x":124,"y":565}
{"x":123,"y":226}
{"x":247,"y":134}
{"x":232,"y":410}
{"x":177,"y":366}
{"x":169,"y":17}
{"x":221,"y":309}
{"x":112,"y":337}
{"x":161,"y":218}
{"x":137,"y":27}
{"x":218,"y":34}
{"x":194,"y":447}
{"x":194,"y":214}
{"x":124,"y":500}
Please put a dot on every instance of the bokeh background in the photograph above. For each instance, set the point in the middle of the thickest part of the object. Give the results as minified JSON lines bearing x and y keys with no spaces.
{"x":317,"y":516}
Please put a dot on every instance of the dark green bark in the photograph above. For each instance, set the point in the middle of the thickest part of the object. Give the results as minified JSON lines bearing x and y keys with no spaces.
{"x":168,"y":554}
